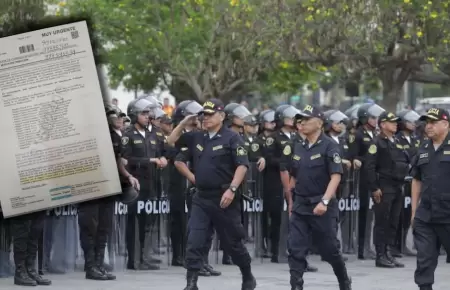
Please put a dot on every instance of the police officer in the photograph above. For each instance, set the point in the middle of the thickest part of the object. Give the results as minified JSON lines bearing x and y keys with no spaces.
{"x":316,"y":168}
{"x":220,"y":163}
{"x":387,"y":165}
{"x":273,"y":197}
{"x":367,"y":123}
{"x":253,"y":146}
{"x":431,"y":216}
{"x":235,"y":116}
{"x":126,"y":122}
{"x":335,"y":123}
{"x":142,"y":148}
{"x":183,"y":163}
{"x":177,"y":188}
{"x":410,"y":142}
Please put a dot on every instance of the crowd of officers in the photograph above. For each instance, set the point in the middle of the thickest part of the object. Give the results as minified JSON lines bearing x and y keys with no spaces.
{"x":304,"y":158}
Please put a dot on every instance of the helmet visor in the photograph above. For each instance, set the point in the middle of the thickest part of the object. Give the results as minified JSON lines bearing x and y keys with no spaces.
{"x":375,"y":111}
{"x":338,"y":117}
{"x":157,"y":112}
{"x":193,"y":108}
{"x":269,"y":117}
{"x":241,"y":112}
{"x":142,"y":105}
{"x":411,"y":116}
{"x":291,"y":112}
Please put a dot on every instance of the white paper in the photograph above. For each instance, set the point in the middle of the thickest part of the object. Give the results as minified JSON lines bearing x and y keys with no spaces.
{"x":56,"y":147}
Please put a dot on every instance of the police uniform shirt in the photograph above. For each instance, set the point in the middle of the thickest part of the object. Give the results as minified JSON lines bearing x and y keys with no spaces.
{"x":432,"y":168}
{"x":138,"y":150}
{"x":312,"y":167}
{"x":272,"y":148}
{"x":361,"y":143}
{"x":387,"y":164}
{"x":253,"y":147}
{"x":214,"y":159}
{"x":410,"y":143}
{"x":116,"y":140}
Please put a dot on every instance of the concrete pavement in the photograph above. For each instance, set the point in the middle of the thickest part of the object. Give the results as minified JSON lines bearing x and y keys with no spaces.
{"x":270,"y":277}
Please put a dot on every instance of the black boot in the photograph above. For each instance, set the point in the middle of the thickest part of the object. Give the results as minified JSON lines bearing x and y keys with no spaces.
{"x":204,"y":273}
{"x":382,"y":261}
{"x":191,"y":280}
{"x":296,"y":283}
{"x":92,"y":271}
{"x":211,"y":270}
{"x":177,"y":262}
{"x":33,"y":274}
{"x":147,"y":264}
{"x":100,"y":262}
{"x":226,"y":259}
{"x":391,"y":258}
{"x":428,"y":287}
{"x":248,"y":280}
{"x":346,"y":285}
{"x":21,"y":276}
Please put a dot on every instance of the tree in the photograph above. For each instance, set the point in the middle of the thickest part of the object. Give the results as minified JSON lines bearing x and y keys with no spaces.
{"x":214,"y":47}
{"x":387,"y":38}
{"x":15,"y":15}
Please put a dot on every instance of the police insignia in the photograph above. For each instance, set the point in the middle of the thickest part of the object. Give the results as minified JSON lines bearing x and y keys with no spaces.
{"x":337,"y":158}
{"x":269,"y":141}
{"x":240,"y":151}
{"x":372,"y":149}
{"x":287,"y":150}
{"x":351,"y":138}
{"x":125,"y":140}
{"x":255,"y":147}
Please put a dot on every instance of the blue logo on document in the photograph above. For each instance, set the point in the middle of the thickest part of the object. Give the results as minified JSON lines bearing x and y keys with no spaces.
{"x":62,"y":192}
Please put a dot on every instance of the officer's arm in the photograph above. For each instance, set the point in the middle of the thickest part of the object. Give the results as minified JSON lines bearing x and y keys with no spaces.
{"x":177,"y":136}
{"x":285,"y":161}
{"x":358,"y":150}
{"x":416,"y":186}
{"x":121,"y":167}
{"x":371,"y":167}
{"x":240,"y":159}
{"x":126,"y":152}
{"x":334,"y":165}
{"x":181,"y":164}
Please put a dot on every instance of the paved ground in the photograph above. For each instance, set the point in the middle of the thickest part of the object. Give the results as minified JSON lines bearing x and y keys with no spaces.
{"x":270,"y":277}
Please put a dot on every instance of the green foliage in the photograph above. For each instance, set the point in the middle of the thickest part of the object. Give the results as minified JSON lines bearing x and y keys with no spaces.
{"x":16,"y":14}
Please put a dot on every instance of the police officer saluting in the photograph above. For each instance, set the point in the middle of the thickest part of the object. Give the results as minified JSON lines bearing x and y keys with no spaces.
{"x":316,"y":168}
{"x":387,"y":165}
{"x":430,"y":185}
{"x":220,"y":162}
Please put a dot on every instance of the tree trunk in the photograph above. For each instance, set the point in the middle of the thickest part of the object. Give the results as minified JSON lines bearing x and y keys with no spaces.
{"x":391,"y":96}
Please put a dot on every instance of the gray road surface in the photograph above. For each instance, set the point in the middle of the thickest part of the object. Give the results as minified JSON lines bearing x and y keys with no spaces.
{"x":270,"y":277}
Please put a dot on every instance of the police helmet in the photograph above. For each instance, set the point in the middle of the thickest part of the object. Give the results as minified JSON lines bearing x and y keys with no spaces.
{"x":334,"y":116}
{"x":186,"y":108}
{"x":283,"y":112}
{"x":155,"y":102}
{"x":135,"y":107}
{"x":251,"y":120}
{"x":352,"y":112}
{"x":407,"y":116}
{"x":369,"y":110}
{"x":266,"y":116}
{"x":236,"y":110}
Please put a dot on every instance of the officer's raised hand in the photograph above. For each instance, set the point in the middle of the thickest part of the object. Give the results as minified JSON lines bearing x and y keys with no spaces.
{"x":320,"y":209}
{"x":227,"y":198}
{"x":261,"y":164}
{"x":377,"y":196}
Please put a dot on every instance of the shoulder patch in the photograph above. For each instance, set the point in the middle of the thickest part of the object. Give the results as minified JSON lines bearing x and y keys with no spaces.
{"x":351,"y":138}
{"x":125,"y":140}
{"x":372,"y":149}
{"x":296,"y":157}
{"x":255,"y":147}
{"x":337,"y":158}
{"x":240,"y":151}
{"x":287,"y":150}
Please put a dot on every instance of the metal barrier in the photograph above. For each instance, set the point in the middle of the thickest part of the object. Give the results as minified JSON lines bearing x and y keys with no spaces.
{"x":141,"y":231}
